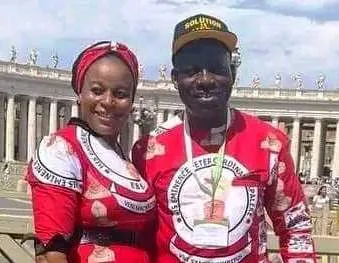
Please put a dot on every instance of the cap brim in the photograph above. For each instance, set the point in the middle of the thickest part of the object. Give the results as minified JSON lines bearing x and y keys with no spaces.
{"x":229,"y":39}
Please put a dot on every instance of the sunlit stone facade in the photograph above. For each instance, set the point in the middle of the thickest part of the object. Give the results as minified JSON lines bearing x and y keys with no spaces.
{"x":36,"y":101}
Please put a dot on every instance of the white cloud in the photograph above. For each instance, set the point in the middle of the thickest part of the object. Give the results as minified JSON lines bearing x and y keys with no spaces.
{"x":269,"y":42}
{"x":302,"y":5}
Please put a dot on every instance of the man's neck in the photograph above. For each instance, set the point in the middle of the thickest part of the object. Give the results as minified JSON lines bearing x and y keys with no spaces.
{"x":218,"y":120}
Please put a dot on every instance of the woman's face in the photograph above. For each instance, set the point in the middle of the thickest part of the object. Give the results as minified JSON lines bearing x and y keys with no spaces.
{"x":323,"y":191}
{"x":106,"y":97}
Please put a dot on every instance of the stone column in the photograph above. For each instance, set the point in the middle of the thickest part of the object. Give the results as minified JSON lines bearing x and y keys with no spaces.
{"x":10,"y":119}
{"x":335,"y":164}
{"x":53,"y":116}
{"x":75,"y":109}
{"x":45,"y":118}
{"x":275,"y":122}
{"x":170,"y":114}
{"x":38,"y":126}
{"x":316,"y":149}
{"x":31,"y":134}
{"x":23,"y":129}
{"x":160,"y":117}
{"x":68,"y":112}
{"x":295,"y":144}
{"x":136,"y":132}
{"x":2,"y":127}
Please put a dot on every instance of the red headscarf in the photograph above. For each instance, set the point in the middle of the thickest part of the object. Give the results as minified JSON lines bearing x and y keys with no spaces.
{"x":99,"y":50}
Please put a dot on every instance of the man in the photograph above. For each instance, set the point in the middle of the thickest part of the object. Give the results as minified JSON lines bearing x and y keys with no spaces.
{"x":215,"y":169}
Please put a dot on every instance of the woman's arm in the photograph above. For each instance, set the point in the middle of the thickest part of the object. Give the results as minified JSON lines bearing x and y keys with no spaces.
{"x":55,"y":178}
{"x":55,"y":257}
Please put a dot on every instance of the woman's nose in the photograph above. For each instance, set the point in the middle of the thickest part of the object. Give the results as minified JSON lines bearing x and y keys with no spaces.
{"x":108,"y":99}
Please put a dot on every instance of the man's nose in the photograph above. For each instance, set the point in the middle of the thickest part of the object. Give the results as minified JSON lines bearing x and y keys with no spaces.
{"x":205,"y":79}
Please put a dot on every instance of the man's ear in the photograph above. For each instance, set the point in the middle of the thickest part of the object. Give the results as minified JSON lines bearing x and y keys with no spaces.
{"x":233,"y":72}
{"x":174,"y":77}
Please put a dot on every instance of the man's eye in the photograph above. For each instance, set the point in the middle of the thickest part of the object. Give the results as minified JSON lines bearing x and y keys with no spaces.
{"x":191,"y":71}
{"x":220,"y":71}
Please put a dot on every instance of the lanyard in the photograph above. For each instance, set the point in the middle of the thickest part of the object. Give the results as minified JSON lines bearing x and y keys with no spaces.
{"x":216,"y":173}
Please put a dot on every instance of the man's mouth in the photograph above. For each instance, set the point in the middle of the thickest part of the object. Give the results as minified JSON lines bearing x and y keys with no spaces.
{"x":207,"y":95}
{"x":108,"y":116}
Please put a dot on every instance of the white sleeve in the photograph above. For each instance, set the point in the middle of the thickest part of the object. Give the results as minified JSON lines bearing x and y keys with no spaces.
{"x":56,"y":163}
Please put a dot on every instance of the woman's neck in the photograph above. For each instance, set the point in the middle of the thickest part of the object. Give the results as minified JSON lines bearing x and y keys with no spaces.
{"x":111,"y":140}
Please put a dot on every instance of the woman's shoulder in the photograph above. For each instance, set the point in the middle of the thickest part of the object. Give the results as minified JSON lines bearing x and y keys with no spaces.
{"x":55,"y":162}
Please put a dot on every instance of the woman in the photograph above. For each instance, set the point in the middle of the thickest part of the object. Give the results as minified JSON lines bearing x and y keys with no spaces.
{"x":89,"y":202}
{"x":321,"y":200}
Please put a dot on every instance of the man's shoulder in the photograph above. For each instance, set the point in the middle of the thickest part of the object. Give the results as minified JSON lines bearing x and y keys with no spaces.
{"x":163,"y":134}
{"x":167,"y":127}
{"x":255,"y":125}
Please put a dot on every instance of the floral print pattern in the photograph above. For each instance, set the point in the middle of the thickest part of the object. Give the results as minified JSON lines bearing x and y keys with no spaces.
{"x":154,"y":149}
{"x":271,"y":143}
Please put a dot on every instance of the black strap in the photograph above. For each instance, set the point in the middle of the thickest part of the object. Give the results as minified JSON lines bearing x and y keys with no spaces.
{"x":105,"y":237}
{"x":58,"y":243}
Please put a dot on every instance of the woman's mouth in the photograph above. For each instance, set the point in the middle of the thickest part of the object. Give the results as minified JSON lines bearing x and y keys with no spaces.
{"x":108,"y":117}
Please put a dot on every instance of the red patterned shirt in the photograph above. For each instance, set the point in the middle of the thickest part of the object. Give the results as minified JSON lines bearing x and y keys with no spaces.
{"x":79,"y":181}
{"x":257,"y":174}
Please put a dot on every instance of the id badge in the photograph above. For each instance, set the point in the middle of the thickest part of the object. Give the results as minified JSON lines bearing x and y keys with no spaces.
{"x":209,"y":233}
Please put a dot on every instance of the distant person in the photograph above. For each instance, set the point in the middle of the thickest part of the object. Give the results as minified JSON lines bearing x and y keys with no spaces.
{"x":89,"y":202}
{"x":321,"y":200}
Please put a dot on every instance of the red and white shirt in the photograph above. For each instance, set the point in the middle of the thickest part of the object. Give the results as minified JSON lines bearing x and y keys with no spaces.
{"x":257,"y":174}
{"x":79,"y":181}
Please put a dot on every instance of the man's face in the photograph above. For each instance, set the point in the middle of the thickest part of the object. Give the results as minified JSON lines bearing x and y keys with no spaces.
{"x":203,"y":76}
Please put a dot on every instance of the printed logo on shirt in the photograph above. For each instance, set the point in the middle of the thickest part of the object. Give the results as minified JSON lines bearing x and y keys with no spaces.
{"x":139,"y":207}
{"x":109,"y":164}
{"x":297,"y":217}
{"x":186,"y":257}
{"x":300,"y":243}
{"x":46,"y":176}
{"x":190,"y":200}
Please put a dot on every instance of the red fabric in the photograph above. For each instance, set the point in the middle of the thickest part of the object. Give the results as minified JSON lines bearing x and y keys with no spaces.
{"x":58,"y":210}
{"x":54,"y":211}
{"x":95,"y":52}
{"x":257,"y":183}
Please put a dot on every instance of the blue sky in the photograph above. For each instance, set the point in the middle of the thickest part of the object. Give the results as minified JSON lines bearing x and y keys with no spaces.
{"x":275,"y":36}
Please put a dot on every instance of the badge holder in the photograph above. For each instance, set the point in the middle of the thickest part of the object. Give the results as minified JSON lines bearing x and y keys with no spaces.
{"x":210,"y":233}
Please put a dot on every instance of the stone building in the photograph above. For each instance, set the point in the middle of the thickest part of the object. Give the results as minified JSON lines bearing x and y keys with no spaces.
{"x":36,"y":101}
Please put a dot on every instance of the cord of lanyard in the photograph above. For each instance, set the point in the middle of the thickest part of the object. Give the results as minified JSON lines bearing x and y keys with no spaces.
{"x":217,"y":169}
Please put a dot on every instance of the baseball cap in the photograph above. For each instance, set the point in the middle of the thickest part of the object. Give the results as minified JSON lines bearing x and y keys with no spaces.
{"x":202,"y":26}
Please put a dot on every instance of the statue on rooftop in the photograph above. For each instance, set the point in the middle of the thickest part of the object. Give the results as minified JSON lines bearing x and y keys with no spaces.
{"x":321,"y":82}
{"x":299,"y":82}
{"x":162,"y":72}
{"x":13,"y":55}
{"x":256,"y":82}
{"x":33,"y":57}
{"x":278,"y":80}
{"x":141,"y":71}
{"x":55,"y":60}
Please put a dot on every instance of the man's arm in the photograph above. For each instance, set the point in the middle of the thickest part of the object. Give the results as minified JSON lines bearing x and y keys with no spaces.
{"x":286,"y":206}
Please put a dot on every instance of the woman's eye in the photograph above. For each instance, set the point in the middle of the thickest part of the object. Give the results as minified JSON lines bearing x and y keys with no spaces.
{"x":121,"y":94}
{"x":97,"y":90}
